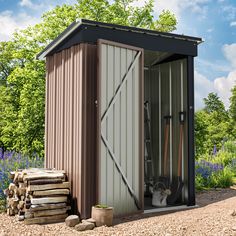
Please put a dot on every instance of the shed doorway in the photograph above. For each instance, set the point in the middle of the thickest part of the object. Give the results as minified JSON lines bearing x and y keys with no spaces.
{"x":165,"y":130}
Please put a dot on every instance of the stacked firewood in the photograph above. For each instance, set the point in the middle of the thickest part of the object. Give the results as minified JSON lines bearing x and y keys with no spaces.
{"x":38,"y":196}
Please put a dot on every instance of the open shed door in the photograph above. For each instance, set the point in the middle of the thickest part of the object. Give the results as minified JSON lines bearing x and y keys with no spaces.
{"x":120,"y":135}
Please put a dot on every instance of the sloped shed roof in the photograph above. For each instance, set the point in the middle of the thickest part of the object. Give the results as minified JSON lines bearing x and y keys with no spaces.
{"x":87,"y":31}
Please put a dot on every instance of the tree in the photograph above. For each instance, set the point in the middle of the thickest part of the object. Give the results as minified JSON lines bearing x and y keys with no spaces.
{"x":212,"y":125}
{"x":123,"y":12}
{"x":232,"y":111}
{"x":22,"y":77}
{"x":232,"y":108}
{"x":213,"y":103}
{"x":201,"y":132}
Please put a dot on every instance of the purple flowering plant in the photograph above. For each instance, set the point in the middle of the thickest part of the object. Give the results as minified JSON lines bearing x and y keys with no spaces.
{"x":11,"y":161}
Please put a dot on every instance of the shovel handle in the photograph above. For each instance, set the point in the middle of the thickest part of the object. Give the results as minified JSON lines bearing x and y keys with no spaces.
{"x":181,"y":120}
{"x":167,"y":128}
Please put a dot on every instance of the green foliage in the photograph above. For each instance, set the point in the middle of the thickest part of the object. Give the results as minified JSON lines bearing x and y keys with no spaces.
{"x":201,"y":132}
{"x":101,"y":206}
{"x":212,"y":126}
{"x":213,"y":175}
{"x":123,"y":12}
{"x":232,"y":108}
{"x":22,"y":77}
{"x":221,"y":179}
{"x":230,"y":146}
{"x":213,"y":104}
{"x":200,"y":182}
{"x":223,"y":157}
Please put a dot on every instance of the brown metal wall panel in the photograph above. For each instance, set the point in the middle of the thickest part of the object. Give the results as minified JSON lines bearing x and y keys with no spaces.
{"x":70,"y":120}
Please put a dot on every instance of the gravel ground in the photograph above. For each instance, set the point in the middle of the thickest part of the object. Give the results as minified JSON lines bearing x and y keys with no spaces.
{"x":213,"y":217}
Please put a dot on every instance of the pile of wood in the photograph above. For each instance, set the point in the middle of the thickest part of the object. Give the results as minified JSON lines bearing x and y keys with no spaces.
{"x":38,"y":196}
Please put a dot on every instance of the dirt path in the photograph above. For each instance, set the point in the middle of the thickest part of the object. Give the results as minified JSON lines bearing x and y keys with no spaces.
{"x":213,"y":217}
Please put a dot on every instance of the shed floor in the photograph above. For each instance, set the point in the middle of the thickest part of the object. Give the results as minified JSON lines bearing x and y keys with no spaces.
{"x":148,"y":205}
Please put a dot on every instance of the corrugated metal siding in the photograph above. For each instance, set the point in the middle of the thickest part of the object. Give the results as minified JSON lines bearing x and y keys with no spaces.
{"x":152,"y":94}
{"x":121,"y":128}
{"x":70,"y":120}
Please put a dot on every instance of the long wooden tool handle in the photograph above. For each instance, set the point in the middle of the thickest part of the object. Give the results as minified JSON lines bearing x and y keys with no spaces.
{"x":166,"y":146}
{"x":180,"y":150}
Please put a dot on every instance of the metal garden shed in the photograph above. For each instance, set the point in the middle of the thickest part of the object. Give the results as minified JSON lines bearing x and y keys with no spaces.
{"x":114,"y":95}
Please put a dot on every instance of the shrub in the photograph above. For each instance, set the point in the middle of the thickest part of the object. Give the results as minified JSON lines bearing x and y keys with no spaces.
{"x":223,"y":157}
{"x":210,"y":175}
{"x":230,"y":146}
{"x":221,"y":179}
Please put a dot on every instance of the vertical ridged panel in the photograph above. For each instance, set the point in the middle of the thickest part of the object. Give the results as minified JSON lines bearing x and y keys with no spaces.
{"x":120,"y":127}
{"x":70,"y":120}
{"x":151,"y":87}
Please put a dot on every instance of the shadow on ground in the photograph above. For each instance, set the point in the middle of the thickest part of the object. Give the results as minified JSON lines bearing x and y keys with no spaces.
{"x":203,"y":199}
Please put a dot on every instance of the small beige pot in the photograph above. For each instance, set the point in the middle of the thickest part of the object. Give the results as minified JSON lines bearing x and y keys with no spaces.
{"x":102,"y":216}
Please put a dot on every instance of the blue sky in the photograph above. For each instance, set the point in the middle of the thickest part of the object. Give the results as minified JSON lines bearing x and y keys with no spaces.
{"x":213,"y":20}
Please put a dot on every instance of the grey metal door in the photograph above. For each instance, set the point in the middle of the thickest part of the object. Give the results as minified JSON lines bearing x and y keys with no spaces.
{"x":120,"y":104}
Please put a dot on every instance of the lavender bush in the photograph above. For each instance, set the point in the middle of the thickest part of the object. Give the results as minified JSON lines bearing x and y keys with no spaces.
{"x":10,"y":161}
{"x":212,"y":175}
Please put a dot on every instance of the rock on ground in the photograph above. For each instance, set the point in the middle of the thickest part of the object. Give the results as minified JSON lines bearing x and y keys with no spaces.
{"x":85,"y":225}
{"x":213,"y":217}
{"x":72,"y":220}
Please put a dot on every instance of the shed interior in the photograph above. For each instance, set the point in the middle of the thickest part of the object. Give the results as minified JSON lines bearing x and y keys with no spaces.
{"x":165,"y":93}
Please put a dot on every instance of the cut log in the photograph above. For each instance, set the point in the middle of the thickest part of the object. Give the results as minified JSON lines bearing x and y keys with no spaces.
{"x":42,"y":170}
{"x":44,"y":181}
{"x":44,"y":176}
{"x":21,"y":205}
{"x":47,"y":207}
{"x":22,"y":185}
{"x":44,"y":200}
{"x":50,"y":212}
{"x":12,"y":175}
{"x":10,"y":212}
{"x":48,"y":186}
{"x":29,"y":214}
{"x":12,"y":187}
{"x":15,"y":180}
{"x":51,"y":192}
{"x":46,"y":219}
{"x":21,"y":191}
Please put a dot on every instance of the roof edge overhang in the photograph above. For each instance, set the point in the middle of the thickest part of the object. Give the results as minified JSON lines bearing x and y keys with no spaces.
{"x":71,"y":28}
{"x":76,"y":25}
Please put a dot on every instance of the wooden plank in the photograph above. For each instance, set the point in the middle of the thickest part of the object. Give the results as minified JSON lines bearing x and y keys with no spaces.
{"x":44,"y":176}
{"x":51,"y":192}
{"x":47,"y":206}
{"x":46,"y":219}
{"x":50,"y":212}
{"x":44,"y":181}
{"x":49,"y":186}
{"x":41,"y":170}
{"x":48,"y":200}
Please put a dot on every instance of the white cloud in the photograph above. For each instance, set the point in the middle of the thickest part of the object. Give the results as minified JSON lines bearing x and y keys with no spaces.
{"x":31,"y":5}
{"x":223,"y":86}
{"x":233,"y":23}
{"x":10,"y":22}
{"x":219,"y":65}
{"x":229,"y":12}
{"x":26,"y":3}
{"x":203,"y":87}
{"x":178,"y":6}
{"x":229,"y":51}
